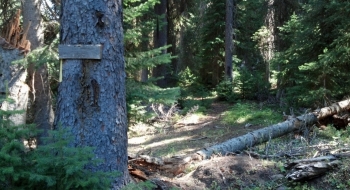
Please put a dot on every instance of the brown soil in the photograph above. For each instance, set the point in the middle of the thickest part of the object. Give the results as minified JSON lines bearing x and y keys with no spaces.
{"x":190,"y":135}
{"x":227,"y":172}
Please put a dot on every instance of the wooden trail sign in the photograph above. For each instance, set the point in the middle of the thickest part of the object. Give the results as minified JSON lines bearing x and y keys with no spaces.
{"x":78,"y":52}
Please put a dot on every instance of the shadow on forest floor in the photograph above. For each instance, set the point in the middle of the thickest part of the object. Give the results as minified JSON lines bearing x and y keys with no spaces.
{"x":221,"y":171}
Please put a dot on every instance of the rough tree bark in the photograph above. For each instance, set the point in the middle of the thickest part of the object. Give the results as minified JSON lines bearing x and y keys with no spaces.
{"x":277,"y":130}
{"x":12,"y":82}
{"x":40,"y":109}
{"x":333,"y":109}
{"x":91,"y":100}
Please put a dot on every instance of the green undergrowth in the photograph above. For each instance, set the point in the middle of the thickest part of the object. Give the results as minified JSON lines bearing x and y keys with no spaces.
{"x":54,"y":165}
{"x":250,"y":112}
{"x":195,"y":96}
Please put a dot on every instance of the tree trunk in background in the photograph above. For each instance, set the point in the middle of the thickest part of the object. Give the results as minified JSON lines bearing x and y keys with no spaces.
{"x":12,"y":83}
{"x":145,"y":45}
{"x":160,"y":40}
{"x":144,"y":75}
{"x":228,"y":39}
{"x":91,"y":97}
{"x":40,"y":102}
{"x":282,"y":12}
{"x":270,"y":23}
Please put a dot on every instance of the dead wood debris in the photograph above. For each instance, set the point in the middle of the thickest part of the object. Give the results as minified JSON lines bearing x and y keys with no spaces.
{"x":14,"y":37}
{"x":142,"y":166}
{"x":307,"y":169}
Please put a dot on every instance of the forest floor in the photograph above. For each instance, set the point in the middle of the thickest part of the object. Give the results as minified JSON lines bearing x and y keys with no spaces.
{"x":195,"y":132}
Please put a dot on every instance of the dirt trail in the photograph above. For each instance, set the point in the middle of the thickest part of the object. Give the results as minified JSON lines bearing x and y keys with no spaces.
{"x":194,"y":133}
{"x":186,"y":136}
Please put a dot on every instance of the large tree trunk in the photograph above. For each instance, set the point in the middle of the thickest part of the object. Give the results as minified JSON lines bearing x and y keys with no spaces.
{"x":91,"y":101}
{"x":228,"y":39}
{"x":40,"y":109}
{"x":277,"y":130}
{"x":160,"y":40}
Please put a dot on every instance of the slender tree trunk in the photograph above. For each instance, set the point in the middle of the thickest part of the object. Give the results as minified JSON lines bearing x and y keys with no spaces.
{"x":91,"y":97}
{"x":145,"y":44}
{"x":228,"y":39}
{"x":40,"y":103}
{"x":160,"y":39}
{"x":270,"y":22}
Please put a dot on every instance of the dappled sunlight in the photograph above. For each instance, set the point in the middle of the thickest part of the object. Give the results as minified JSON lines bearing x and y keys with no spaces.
{"x":193,"y":118}
{"x":242,"y":113}
{"x":30,"y":144}
{"x":141,"y":143}
{"x":242,"y":120}
{"x":167,"y":141}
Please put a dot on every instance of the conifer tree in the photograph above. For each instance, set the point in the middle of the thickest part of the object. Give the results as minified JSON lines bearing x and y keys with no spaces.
{"x":212,"y":42}
{"x":315,"y":65}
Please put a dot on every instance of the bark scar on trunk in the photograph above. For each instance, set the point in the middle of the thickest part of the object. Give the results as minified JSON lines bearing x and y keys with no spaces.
{"x":96,"y":92}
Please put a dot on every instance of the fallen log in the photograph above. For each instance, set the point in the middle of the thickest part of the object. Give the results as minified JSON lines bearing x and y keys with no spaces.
{"x":258,"y":136}
{"x":333,"y":109}
{"x":277,"y":130}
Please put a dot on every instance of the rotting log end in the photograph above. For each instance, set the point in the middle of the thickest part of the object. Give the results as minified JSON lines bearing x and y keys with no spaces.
{"x":333,"y":109}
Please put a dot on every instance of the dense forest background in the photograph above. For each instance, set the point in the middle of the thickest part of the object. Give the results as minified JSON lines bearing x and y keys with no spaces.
{"x":294,"y":53}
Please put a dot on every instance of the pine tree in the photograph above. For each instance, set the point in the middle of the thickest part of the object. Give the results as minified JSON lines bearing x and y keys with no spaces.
{"x":315,"y":65}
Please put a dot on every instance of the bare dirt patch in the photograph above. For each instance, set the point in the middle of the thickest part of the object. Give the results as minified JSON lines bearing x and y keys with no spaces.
{"x":188,"y":135}
{"x":227,"y":172}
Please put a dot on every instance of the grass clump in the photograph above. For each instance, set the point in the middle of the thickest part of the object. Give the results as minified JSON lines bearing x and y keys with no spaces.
{"x":250,"y":112}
